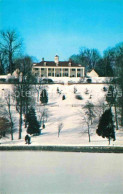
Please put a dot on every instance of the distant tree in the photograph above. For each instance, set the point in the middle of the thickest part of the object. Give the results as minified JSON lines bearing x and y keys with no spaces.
{"x":75,"y":58}
{"x":25,"y":64}
{"x":108,"y":60}
{"x":106,"y":126}
{"x":33,"y":124}
{"x":87,"y":57}
{"x":44,"y":96}
{"x":10,"y":45}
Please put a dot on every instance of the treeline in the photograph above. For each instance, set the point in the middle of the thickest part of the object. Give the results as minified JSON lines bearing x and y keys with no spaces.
{"x":109,"y":65}
{"x":106,"y":65}
{"x":12,"y":55}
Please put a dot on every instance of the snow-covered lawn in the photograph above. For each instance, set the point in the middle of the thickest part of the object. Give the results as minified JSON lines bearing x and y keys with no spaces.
{"x":70,"y":113}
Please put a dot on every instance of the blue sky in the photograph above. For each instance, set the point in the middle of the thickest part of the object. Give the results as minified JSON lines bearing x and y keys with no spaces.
{"x":50,"y":27}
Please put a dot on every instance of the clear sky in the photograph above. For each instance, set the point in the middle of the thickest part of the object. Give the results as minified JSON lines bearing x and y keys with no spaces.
{"x":50,"y":27}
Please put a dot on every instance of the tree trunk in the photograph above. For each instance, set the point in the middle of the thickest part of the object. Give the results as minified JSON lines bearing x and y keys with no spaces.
{"x":12,"y":138}
{"x":20,"y":122}
{"x":26,"y":114}
{"x":122,"y":115}
{"x":89,"y":133}
{"x":122,"y":109}
{"x":116,"y":120}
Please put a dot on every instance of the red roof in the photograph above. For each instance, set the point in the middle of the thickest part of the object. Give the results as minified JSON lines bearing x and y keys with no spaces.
{"x":60,"y":64}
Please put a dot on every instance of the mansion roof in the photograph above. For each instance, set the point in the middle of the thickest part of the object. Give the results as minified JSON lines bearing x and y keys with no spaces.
{"x":59,"y":64}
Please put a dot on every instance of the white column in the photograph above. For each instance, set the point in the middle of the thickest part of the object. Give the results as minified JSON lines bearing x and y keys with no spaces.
{"x":83,"y":72}
{"x":54,"y":72}
{"x":68,"y":72}
{"x":61,"y":73}
{"x":47,"y":72}
{"x":40,"y":72}
{"x":76,"y":72}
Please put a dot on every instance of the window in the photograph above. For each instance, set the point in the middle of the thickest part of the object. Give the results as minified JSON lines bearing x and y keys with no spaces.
{"x":49,"y":74}
{"x":78,"y":69}
{"x":42,"y":69}
{"x":73,"y":69}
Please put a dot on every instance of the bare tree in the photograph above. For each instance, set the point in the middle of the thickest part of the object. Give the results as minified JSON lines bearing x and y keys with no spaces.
{"x":8,"y":102}
{"x":23,"y":91}
{"x":10,"y":45}
{"x":7,"y":115}
{"x":42,"y":116}
{"x":89,"y":116}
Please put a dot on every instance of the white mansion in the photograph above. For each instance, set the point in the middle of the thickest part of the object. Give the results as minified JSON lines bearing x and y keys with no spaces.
{"x":58,"y":68}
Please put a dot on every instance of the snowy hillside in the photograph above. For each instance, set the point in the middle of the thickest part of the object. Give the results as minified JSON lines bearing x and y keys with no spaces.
{"x":70,"y":113}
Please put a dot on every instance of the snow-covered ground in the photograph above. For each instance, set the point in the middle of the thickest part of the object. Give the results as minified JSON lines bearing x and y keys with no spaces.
{"x":70,"y":113}
{"x":60,"y":173}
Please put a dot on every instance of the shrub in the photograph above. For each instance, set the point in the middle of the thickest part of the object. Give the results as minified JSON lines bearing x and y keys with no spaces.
{"x":63,"y":97}
{"x":79,"y":97}
{"x":44,"y":96}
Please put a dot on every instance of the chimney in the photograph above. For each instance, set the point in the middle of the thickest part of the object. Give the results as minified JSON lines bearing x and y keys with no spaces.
{"x":70,"y":62}
{"x":57,"y":59}
{"x":43,"y":59}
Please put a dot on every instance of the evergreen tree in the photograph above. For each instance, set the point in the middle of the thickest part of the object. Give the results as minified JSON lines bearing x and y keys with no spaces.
{"x":33,"y":124}
{"x":111,"y":98}
{"x":44,"y":96}
{"x":106,"y":126}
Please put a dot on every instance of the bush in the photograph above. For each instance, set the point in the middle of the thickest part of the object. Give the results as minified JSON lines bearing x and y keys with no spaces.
{"x":63,"y":97}
{"x":13,"y":80}
{"x":44,"y":96}
{"x":89,"y":80}
{"x":47,"y":81}
{"x":105,"y":89}
{"x":79,"y":97}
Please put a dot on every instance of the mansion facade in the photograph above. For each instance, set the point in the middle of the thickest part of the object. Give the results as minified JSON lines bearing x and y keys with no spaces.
{"x":58,"y":68}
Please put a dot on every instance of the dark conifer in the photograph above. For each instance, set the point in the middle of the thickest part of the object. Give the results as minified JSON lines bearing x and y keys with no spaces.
{"x":33,"y":124}
{"x":106,"y":126}
{"x":44,"y":96}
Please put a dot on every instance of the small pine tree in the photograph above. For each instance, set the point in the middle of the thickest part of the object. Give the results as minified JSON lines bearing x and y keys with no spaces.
{"x":44,"y":96}
{"x":33,"y":124}
{"x":106,"y":126}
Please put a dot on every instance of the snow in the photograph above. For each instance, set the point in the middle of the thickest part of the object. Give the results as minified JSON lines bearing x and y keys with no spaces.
{"x":56,"y":172}
{"x":70,"y":113}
